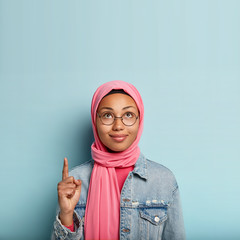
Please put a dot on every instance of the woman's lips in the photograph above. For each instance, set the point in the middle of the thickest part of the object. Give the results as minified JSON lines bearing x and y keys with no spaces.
{"x":119,"y":138}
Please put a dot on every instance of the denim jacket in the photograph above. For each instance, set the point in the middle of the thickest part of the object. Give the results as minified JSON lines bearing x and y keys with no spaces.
{"x":150,"y":205}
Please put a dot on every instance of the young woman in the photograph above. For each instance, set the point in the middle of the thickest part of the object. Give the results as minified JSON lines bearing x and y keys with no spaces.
{"x":119,"y":194}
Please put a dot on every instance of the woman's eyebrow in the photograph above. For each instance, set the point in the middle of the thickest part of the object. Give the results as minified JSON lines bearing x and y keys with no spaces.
{"x":128,"y":107}
{"x":106,"y":108}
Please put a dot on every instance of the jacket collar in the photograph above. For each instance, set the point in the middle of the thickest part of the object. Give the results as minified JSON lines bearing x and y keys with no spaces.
{"x":140,"y":167}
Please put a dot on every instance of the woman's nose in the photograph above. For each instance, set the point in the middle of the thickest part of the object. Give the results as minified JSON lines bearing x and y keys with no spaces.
{"x":118,"y":124}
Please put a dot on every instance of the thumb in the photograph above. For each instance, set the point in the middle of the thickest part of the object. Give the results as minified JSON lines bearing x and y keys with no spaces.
{"x":78,"y":183}
{"x":77,"y":190}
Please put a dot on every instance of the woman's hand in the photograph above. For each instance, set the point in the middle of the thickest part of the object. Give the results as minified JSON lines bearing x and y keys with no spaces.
{"x":69,"y":190}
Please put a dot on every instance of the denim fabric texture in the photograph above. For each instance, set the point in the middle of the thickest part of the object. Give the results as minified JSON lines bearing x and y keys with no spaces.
{"x":150,"y":206}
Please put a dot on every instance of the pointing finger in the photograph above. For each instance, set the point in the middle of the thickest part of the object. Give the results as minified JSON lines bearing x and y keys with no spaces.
{"x":65,"y":169}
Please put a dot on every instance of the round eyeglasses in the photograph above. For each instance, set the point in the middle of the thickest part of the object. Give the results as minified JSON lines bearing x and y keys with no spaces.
{"x":108,"y":118}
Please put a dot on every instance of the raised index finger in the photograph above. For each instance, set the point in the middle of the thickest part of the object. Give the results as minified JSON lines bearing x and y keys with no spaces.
{"x":65,"y":169}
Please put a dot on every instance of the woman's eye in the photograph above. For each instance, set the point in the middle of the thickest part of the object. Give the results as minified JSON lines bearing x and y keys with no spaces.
{"x":107,"y":115}
{"x":128,"y":115}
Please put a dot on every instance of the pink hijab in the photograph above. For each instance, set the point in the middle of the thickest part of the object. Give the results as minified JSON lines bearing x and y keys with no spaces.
{"x":102,"y":217}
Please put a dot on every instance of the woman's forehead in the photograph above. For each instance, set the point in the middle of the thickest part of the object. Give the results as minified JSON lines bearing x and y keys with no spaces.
{"x":117,"y":101}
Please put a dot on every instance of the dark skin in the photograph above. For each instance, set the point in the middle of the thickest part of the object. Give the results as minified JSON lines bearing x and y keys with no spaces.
{"x":69,"y":190}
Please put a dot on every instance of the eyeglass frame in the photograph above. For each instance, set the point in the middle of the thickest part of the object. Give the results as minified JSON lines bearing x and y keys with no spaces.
{"x":100,"y":116}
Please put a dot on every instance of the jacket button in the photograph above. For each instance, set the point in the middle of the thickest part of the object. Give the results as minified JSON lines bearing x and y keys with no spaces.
{"x":126,"y":230}
{"x":126,"y":200}
{"x":156,"y":219}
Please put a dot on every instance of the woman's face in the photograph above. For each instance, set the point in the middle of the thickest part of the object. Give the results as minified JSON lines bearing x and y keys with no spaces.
{"x":117,"y":137}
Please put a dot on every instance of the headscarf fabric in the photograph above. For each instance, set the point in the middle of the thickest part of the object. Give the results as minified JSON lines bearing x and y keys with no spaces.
{"x":102,"y":216}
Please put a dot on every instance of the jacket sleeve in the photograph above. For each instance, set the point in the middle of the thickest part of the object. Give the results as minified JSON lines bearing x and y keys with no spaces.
{"x":60,"y":232}
{"x":174,"y":227}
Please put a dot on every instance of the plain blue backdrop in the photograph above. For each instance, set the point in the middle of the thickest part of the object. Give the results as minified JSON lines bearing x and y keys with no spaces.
{"x":184,"y":58}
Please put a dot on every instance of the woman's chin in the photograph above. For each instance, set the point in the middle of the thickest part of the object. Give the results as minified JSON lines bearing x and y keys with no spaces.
{"x":116,"y":149}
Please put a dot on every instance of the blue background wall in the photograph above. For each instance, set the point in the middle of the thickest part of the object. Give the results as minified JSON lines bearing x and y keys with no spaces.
{"x":183,"y":56}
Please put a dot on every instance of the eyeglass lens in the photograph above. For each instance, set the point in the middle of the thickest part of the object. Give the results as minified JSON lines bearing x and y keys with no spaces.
{"x":127,"y":118}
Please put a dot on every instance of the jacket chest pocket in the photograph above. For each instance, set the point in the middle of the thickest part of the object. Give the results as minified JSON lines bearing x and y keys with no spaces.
{"x":152,"y":222}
